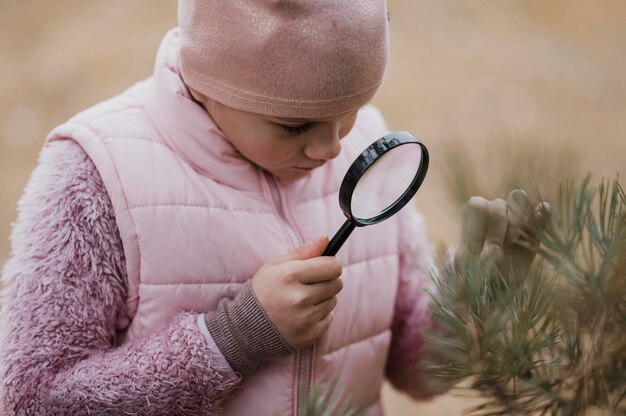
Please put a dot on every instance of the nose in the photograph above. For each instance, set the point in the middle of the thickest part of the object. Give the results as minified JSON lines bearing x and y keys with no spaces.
{"x":324,"y":145}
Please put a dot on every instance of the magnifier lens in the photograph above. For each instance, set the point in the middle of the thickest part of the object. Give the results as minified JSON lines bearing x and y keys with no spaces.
{"x":379,"y":183}
{"x":385,"y":181}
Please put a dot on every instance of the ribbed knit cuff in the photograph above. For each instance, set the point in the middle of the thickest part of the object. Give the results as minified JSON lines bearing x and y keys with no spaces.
{"x":244,"y":333}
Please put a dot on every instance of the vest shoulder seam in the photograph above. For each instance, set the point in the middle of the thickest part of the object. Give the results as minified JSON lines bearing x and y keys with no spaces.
{"x":142,"y":139}
{"x":88,"y":121}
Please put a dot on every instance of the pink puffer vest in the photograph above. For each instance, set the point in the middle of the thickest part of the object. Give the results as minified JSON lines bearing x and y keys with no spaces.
{"x":197,"y":221}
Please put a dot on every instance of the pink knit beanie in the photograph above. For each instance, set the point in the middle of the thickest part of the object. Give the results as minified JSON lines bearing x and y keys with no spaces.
{"x":284,"y":58}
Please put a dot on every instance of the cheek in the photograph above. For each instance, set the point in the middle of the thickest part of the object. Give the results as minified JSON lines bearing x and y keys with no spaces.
{"x":346,"y":126}
{"x":267,"y":150}
{"x":273,"y":147}
{"x":279,"y":151}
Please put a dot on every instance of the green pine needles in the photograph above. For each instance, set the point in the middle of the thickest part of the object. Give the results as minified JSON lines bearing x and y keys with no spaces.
{"x":556,"y":343}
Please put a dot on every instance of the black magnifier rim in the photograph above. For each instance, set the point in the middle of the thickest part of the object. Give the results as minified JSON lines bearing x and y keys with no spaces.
{"x":365,"y":161}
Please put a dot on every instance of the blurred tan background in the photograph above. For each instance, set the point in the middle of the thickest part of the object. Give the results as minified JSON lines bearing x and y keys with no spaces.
{"x":491,"y":78}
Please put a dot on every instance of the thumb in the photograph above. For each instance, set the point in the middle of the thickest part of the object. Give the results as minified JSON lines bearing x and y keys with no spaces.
{"x":305,"y":251}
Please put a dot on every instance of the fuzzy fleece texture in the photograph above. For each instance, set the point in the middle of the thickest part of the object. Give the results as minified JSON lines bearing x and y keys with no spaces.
{"x":64,"y":301}
{"x":65,"y":292}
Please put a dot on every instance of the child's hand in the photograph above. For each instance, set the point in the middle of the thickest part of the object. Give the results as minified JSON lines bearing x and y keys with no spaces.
{"x":298,"y":292}
{"x":491,"y":230}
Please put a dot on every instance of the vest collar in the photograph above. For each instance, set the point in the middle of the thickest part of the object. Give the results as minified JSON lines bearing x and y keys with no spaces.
{"x":187,"y":129}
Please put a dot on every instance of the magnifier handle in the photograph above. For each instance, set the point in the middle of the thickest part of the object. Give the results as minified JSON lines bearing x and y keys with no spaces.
{"x":339,"y":238}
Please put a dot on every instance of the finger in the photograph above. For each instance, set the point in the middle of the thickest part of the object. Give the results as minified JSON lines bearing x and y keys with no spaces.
{"x":538,"y":221}
{"x":518,"y":208}
{"x":315,"y":270}
{"x":305,"y":251}
{"x":326,"y":307}
{"x":321,"y":292}
{"x":542,"y":214}
{"x":473,"y":223}
{"x":495,"y":231}
{"x":323,"y":324}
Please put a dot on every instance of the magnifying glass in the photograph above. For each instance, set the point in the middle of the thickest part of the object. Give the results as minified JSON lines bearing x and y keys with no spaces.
{"x":379,"y":183}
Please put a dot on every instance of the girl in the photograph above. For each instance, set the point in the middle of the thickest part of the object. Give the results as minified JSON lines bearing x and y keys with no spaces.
{"x":167,"y":255}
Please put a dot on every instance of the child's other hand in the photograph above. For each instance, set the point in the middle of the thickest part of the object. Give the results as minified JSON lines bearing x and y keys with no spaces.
{"x":491,"y":230}
{"x":298,"y":292}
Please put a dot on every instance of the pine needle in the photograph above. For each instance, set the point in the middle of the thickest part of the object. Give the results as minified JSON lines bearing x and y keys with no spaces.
{"x":556,"y":344}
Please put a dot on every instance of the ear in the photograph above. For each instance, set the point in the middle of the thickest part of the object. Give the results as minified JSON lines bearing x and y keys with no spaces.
{"x":206,"y":102}
{"x":195,"y":94}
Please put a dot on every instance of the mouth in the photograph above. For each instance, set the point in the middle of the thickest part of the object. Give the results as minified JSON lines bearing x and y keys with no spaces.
{"x":308,"y":168}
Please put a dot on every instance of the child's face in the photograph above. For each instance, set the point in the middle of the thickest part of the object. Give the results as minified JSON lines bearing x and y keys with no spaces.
{"x":287,"y":148}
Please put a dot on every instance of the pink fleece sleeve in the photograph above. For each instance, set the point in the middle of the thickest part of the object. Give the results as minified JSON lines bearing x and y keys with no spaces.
{"x":411,"y":315}
{"x":64,"y":301}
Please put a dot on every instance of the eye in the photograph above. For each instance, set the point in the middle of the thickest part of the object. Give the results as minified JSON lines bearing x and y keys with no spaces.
{"x":295,"y":130}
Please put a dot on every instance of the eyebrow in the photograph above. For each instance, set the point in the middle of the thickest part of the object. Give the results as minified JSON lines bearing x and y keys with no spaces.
{"x":296,"y":121}
{"x":292,"y":120}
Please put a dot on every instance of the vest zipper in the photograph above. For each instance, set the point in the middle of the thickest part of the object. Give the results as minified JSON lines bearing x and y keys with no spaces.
{"x":304,"y":357}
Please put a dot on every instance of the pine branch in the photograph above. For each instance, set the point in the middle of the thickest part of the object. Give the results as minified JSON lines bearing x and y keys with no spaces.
{"x":555,"y":345}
